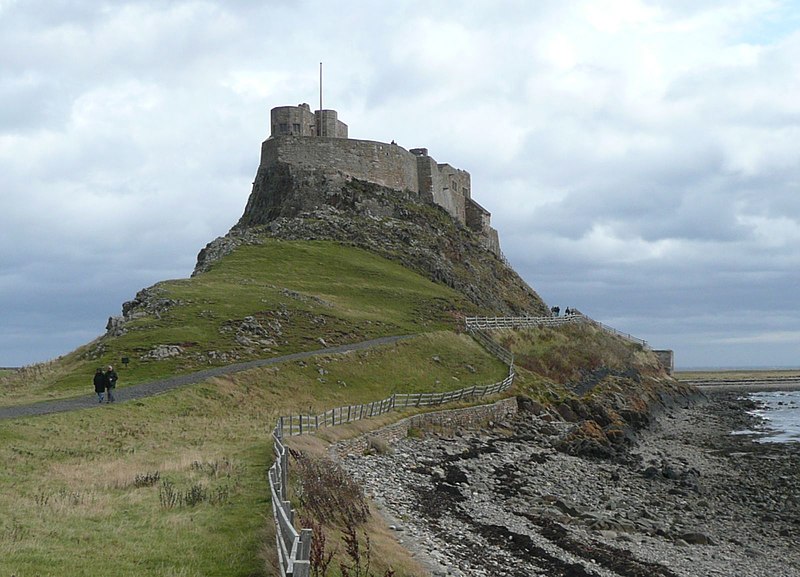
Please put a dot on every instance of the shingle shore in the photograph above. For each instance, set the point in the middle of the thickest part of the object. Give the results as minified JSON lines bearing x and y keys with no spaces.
{"x":690,"y":500}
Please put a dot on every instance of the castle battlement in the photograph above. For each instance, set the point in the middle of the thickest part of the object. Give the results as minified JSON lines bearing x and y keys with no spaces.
{"x":317,"y":142}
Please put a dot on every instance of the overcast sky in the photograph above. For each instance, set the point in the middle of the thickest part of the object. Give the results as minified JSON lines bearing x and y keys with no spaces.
{"x":641,"y":159}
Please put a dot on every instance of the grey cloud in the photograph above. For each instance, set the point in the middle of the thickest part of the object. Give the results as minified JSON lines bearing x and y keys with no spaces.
{"x":127,"y":142}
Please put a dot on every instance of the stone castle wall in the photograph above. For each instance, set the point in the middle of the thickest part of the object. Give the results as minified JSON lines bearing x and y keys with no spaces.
{"x":384,"y":164}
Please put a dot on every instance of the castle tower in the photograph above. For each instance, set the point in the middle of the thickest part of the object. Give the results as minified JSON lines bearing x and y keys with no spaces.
{"x":300,"y":121}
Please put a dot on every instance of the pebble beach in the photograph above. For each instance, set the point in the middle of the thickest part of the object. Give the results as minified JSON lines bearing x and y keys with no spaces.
{"x":685,"y":499}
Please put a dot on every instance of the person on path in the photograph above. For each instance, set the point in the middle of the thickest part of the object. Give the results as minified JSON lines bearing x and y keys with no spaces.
{"x":111,"y":382}
{"x":99,"y":384}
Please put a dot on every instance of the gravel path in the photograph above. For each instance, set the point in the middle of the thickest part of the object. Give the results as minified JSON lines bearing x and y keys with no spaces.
{"x":157,"y":387}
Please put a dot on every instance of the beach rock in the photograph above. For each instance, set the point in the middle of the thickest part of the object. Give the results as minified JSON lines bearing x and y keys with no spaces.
{"x":483,"y":503}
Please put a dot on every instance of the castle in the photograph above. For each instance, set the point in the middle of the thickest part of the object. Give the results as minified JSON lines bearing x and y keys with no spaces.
{"x":306,"y":143}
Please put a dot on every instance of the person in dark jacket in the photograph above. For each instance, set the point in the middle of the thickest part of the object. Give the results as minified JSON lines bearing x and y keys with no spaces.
{"x":111,"y":382}
{"x":99,"y":384}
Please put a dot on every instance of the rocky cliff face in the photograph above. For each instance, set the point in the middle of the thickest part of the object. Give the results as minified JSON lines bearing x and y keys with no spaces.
{"x":293,"y":204}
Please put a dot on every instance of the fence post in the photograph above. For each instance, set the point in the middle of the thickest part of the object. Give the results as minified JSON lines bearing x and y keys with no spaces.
{"x":284,"y":472}
{"x":302,"y":565}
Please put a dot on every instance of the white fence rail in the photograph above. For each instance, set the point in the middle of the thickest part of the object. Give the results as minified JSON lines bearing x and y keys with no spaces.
{"x":473,"y":323}
{"x":294,"y":548}
{"x":521,"y":322}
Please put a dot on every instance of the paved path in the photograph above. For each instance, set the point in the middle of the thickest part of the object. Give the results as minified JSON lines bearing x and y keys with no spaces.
{"x":156,"y":387}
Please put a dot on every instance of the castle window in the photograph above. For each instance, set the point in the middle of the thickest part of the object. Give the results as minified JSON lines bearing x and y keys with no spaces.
{"x":296,"y":128}
{"x":284,"y":128}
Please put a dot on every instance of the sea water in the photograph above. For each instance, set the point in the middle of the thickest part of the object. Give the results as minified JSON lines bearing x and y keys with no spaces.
{"x":780,"y":415}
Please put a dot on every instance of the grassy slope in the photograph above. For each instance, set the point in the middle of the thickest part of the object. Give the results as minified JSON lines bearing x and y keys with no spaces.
{"x":310,"y":290}
{"x":554,"y":363}
{"x":69,"y":500}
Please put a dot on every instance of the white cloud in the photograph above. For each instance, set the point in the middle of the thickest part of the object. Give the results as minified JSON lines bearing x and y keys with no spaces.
{"x":639,"y":157}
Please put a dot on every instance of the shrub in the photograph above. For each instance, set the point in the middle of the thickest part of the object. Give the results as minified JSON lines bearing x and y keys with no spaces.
{"x":327,"y":492}
{"x":146,"y":479}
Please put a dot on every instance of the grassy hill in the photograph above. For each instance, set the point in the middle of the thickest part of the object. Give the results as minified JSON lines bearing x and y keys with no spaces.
{"x":84,"y":492}
{"x":260,"y":301}
{"x":175,"y":484}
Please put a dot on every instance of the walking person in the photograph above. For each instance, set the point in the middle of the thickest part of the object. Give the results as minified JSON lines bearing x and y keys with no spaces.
{"x":99,"y":384}
{"x":111,"y":382}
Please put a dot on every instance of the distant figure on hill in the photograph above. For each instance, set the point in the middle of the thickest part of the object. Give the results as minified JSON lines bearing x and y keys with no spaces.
{"x":555,"y":311}
{"x":568,"y":312}
{"x":99,"y":384}
{"x":111,"y":382}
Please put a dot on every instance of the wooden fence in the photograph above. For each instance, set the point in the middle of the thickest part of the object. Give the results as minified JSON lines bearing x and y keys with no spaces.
{"x":492,"y":346}
{"x":475,"y":323}
{"x":294,"y":548}
{"x":522,"y":322}
{"x":300,"y":424}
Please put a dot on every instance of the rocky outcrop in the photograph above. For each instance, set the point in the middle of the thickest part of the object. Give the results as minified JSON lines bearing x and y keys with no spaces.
{"x":148,"y":302}
{"x":394,"y":224}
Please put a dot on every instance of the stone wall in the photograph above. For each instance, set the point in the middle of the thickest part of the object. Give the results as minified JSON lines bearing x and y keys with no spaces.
{"x":328,"y":124}
{"x":384,"y":164}
{"x":294,"y":120}
{"x":387,"y":165}
{"x":469,"y":417}
{"x":667,"y":360}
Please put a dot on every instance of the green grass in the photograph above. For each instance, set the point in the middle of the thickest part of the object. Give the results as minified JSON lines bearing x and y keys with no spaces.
{"x":566,"y":353}
{"x":70,"y":504}
{"x":302,"y":293}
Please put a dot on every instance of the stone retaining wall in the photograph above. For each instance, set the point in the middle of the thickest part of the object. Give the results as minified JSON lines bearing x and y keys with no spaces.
{"x":453,"y":418}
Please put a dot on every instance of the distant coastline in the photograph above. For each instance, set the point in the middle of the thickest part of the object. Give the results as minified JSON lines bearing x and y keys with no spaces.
{"x":741,"y":380}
